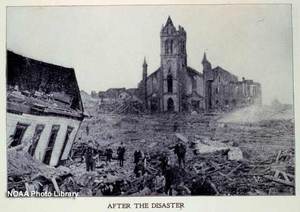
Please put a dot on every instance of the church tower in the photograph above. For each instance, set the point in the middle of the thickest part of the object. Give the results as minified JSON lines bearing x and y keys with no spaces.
{"x":208,"y":77}
{"x":173,"y":66}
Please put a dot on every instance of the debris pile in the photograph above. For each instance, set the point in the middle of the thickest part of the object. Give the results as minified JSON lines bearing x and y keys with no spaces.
{"x":27,"y":174}
{"x":126,"y":106}
{"x":222,"y":158}
{"x":130,"y":106}
{"x":244,"y":177}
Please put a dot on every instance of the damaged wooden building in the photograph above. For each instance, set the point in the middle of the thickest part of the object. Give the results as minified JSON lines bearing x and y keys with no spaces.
{"x":44,"y":108}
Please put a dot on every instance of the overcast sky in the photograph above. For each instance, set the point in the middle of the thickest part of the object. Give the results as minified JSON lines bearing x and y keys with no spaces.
{"x":106,"y":44}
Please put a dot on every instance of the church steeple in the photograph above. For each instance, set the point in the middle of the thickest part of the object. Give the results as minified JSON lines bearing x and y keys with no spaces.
{"x":206,"y":64}
{"x":204,"y":60}
{"x":145,"y":63}
{"x":145,"y":66}
{"x":168,"y":28}
{"x":169,"y":21}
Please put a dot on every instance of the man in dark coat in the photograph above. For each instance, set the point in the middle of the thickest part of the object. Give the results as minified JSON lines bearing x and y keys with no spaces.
{"x":121,"y":152}
{"x":175,"y":126}
{"x":108,"y":154}
{"x":139,"y":169}
{"x":90,"y":154}
{"x":169,"y":177}
{"x":163,"y":163}
{"x":180,"y":151}
{"x":87,"y":129}
{"x":137,"y":156}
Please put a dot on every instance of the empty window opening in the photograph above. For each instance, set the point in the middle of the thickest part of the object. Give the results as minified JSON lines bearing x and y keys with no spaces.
{"x":194,"y":84}
{"x":195,"y":105}
{"x":51,"y":143}
{"x":169,"y":46}
{"x":170,"y":105}
{"x":18,"y":134}
{"x":170,"y":83}
{"x":35,"y":139}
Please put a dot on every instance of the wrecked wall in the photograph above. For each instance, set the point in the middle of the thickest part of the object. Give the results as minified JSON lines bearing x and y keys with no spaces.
{"x":48,"y":122}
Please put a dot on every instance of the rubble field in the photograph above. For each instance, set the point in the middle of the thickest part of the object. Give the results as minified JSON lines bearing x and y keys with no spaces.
{"x":241,"y":157}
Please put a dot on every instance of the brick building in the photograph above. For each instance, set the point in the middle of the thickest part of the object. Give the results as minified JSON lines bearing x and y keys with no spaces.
{"x":175,"y":86}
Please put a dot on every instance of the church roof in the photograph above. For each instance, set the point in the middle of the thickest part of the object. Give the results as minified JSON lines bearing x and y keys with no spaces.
{"x":220,"y":69}
{"x":193,"y":72}
{"x":154,"y":73}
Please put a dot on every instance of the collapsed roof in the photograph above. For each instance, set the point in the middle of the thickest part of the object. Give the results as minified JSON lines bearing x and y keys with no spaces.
{"x":53,"y":85}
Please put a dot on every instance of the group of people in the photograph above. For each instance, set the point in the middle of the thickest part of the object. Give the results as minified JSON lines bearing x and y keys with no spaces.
{"x":91,"y":154}
{"x":165,"y":180}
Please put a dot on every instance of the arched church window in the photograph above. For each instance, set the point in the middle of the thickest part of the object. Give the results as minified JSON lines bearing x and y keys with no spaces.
{"x":167,"y":47}
{"x":194,"y":83}
{"x":170,"y":83}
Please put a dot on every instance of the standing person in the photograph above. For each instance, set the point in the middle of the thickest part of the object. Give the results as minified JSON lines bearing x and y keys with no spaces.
{"x":139,"y":169}
{"x":90,"y":155}
{"x":163,"y":163}
{"x":169,"y":180}
{"x":121,"y":152}
{"x":175,"y":126}
{"x":108,"y":153}
{"x":87,"y":129}
{"x":180,"y":151}
{"x":137,"y":156}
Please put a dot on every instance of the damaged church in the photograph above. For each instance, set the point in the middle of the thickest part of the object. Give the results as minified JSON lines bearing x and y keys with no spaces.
{"x":44,"y":108}
{"x":176,"y":87}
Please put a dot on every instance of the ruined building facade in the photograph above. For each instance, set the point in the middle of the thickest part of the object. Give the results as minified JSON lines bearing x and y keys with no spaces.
{"x":44,"y":108}
{"x":175,"y":86}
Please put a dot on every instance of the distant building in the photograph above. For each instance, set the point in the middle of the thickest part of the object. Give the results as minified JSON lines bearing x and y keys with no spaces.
{"x":44,"y":108}
{"x":111,"y":93}
{"x":175,"y":86}
{"x":118,"y":94}
{"x":224,"y":91}
{"x":94,"y":94}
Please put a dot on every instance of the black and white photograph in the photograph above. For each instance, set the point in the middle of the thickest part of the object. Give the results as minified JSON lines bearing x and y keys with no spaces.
{"x":150,"y":100}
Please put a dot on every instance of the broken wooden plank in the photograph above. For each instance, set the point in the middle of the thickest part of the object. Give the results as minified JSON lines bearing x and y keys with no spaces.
{"x":282,"y":177}
{"x":55,"y":184}
{"x":278,"y":156}
{"x":276,"y":175}
{"x":225,"y":175}
{"x":288,"y":183}
{"x":233,"y":170}
{"x":181,"y":137}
